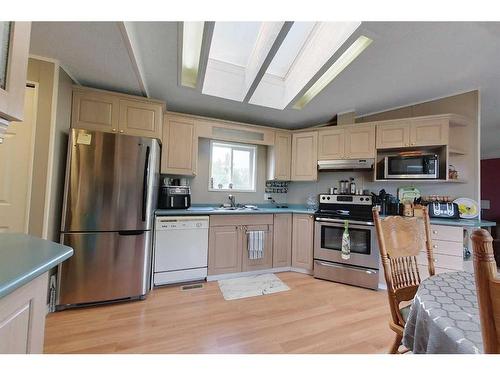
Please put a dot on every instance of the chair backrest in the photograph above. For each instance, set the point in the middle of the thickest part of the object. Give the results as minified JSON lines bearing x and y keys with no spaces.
{"x":400,"y":241}
{"x":488,"y":290}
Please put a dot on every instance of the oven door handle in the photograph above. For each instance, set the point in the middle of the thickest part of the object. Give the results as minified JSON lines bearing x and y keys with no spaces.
{"x":341,"y":221}
{"x":332,"y":265}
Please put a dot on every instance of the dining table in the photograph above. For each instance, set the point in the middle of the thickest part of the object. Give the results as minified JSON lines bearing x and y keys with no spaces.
{"x":444,"y":316}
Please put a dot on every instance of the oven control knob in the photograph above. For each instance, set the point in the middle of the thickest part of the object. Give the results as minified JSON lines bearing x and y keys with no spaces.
{"x":328,"y":198}
{"x":361,"y":199}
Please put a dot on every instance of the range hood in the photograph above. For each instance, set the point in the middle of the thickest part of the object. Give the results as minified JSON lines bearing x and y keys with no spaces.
{"x":328,"y":165}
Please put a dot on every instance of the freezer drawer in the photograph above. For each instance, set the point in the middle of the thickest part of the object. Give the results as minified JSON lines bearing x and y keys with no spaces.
{"x":105,"y":266}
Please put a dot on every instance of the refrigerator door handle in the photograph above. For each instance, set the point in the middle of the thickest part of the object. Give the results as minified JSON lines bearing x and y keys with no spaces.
{"x":131,"y":232}
{"x":145,"y":185}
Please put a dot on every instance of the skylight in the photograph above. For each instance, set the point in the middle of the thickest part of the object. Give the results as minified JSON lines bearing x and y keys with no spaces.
{"x":192,"y":35}
{"x":270,"y":63}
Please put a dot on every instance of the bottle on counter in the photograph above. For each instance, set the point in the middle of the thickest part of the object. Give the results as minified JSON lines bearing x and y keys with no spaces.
{"x":352,"y":186}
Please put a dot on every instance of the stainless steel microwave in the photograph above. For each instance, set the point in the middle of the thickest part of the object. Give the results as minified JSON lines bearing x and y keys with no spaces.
{"x":425,"y":166}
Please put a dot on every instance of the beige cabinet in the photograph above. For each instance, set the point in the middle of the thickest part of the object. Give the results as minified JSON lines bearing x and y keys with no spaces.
{"x":305,"y":156}
{"x":15,"y":50}
{"x":429,"y":132}
{"x":360,"y":142}
{"x":331,"y":144}
{"x":347,"y":142}
{"x":140,"y":118}
{"x":266,"y":261}
{"x":116,"y":113}
{"x":22,"y":318}
{"x":302,"y":241}
{"x":228,"y":243}
{"x":393,"y":135}
{"x":279,"y":157}
{"x":180,"y":146}
{"x":282,"y":240}
{"x":224,"y":249}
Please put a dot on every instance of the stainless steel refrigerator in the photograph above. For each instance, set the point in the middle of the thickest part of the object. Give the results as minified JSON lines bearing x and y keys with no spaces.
{"x":110,"y":194}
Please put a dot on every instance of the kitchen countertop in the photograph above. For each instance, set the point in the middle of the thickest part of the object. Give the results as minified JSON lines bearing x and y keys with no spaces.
{"x":212,"y":210}
{"x":301,"y":209}
{"x":24,"y":257}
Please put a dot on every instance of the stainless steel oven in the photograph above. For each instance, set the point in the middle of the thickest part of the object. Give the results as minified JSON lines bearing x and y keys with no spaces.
{"x":362,"y":268}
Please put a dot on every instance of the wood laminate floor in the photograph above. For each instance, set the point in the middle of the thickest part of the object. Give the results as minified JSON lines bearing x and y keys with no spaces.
{"x":315,"y":316}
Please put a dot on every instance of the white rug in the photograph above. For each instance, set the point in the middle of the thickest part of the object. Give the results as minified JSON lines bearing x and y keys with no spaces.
{"x":251,"y":286}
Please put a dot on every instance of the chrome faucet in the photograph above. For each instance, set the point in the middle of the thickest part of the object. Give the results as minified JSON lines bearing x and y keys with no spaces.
{"x":232,"y":200}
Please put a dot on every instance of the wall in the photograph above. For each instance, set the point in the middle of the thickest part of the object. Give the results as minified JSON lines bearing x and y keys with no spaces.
{"x":490,"y":181}
{"x":199,"y":184}
{"x":466,"y":104}
{"x":60,"y":139}
{"x":42,"y":72}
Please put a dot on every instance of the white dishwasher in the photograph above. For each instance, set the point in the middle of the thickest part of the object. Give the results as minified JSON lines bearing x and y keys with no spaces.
{"x":181,"y":249}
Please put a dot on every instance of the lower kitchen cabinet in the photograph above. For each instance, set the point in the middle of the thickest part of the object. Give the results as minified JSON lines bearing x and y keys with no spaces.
{"x":267,"y":259}
{"x":302,"y":241}
{"x":224,"y":249}
{"x":282,"y":240}
{"x":22,"y":318}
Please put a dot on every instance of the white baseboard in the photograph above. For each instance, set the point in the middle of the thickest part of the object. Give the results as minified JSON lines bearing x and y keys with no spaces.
{"x":226,"y":276}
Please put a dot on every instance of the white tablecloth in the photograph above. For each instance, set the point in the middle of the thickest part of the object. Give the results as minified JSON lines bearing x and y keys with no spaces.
{"x":444,"y":316}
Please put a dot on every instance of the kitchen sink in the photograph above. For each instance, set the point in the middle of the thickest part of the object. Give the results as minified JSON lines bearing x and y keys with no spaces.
{"x":237,"y":208}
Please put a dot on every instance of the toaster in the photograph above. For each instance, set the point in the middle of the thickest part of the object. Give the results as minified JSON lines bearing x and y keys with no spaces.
{"x":443,"y":210}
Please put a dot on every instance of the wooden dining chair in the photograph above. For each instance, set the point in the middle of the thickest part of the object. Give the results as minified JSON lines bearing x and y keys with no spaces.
{"x":400,"y":241}
{"x":488,"y":290}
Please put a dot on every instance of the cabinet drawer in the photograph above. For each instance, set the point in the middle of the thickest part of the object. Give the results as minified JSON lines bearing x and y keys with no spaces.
{"x":442,"y":261}
{"x":447,"y":233}
{"x":255,"y":219}
{"x":447,"y":248}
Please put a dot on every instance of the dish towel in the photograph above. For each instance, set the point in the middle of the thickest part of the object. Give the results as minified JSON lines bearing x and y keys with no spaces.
{"x":255,"y":244}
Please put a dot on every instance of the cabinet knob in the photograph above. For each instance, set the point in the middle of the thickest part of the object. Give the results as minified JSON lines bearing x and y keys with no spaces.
{"x":121,"y":131}
{"x":113,"y":130}
{"x":435,"y":246}
{"x":434,"y":231}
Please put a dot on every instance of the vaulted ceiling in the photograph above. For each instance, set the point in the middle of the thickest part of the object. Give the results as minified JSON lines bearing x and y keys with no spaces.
{"x":407,"y":62}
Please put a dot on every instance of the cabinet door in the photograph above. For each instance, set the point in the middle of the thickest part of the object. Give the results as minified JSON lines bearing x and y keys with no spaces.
{"x":14,"y":50}
{"x":282,"y":240}
{"x":180,"y":147}
{"x":305,"y":156}
{"x":282,"y":156}
{"x":267,"y":258}
{"x":224,"y":250}
{"x":393,"y":135}
{"x":140,"y":119}
{"x":331,"y":144}
{"x":302,"y":241}
{"x":429,"y":132}
{"x":95,"y":111}
{"x":360,"y":142}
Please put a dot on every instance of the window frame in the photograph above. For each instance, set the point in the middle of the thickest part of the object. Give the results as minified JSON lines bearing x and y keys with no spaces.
{"x":253,"y":166}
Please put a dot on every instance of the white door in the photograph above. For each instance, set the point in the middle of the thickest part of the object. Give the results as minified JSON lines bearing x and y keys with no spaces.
{"x":16,"y":163}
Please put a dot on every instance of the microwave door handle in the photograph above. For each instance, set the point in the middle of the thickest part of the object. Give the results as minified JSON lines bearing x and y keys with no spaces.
{"x":171,"y":202}
{"x":185,"y":202}
{"x":145,"y":184}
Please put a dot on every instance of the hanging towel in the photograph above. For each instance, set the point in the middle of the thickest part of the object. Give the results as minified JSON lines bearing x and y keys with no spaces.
{"x":255,"y":244}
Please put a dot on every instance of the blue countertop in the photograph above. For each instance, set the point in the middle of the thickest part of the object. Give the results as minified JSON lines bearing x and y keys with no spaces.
{"x":24,"y":257}
{"x":300,"y":209}
{"x":212,"y":210}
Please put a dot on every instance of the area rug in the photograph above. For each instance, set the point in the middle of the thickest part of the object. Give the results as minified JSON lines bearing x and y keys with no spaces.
{"x":251,"y":286}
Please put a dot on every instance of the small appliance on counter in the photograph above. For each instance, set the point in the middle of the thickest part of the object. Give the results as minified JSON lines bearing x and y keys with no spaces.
{"x":174,"y":197}
{"x":389,"y":204}
{"x":440,"y":207}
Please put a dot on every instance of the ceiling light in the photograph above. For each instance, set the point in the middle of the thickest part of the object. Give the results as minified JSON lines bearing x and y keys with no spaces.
{"x":192,"y":35}
{"x":338,"y":66}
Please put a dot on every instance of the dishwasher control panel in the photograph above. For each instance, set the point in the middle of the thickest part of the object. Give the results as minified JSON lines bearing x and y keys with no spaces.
{"x":170,"y":223}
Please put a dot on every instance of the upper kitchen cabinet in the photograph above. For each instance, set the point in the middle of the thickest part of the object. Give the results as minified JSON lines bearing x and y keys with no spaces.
{"x":360,"y":142}
{"x":116,"y":113}
{"x":180,"y":145}
{"x":429,"y":132}
{"x":331,"y":144}
{"x":14,"y":50}
{"x":305,"y":156}
{"x":279,"y":157}
{"x":347,"y":142}
{"x":393,"y":134}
